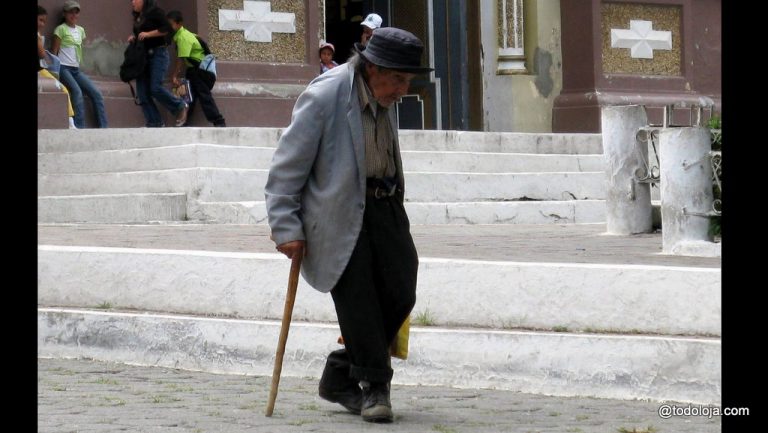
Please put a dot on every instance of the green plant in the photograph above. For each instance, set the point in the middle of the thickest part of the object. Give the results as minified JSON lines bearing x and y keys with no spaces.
{"x":105,"y":306}
{"x":310,"y":406}
{"x":164,"y":399}
{"x":113,"y":401}
{"x":442,"y":429}
{"x":650,"y":429}
{"x":424,"y":318}
{"x":106,"y":381}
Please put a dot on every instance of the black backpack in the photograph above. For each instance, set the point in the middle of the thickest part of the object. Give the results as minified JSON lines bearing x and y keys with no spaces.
{"x":134,"y":62}
{"x":208,"y":64}
{"x":206,"y":50}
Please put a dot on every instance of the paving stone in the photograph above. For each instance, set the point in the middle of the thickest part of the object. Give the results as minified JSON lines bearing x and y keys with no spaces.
{"x":80,"y":395}
{"x":553,"y":243}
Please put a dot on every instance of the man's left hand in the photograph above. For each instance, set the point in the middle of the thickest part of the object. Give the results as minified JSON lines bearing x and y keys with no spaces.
{"x":293,"y":247}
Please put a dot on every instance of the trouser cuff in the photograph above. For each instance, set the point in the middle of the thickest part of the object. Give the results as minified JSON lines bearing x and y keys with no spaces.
{"x":371,"y":374}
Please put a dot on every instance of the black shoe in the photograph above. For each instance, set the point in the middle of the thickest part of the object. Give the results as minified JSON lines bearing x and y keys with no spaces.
{"x":351,"y":398}
{"x":376,"y":404}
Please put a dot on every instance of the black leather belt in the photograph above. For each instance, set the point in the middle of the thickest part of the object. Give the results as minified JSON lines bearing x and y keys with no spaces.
{"x":380,"y":188}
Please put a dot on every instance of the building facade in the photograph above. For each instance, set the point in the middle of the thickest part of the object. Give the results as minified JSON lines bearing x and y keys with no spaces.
{"x":500,"y":65}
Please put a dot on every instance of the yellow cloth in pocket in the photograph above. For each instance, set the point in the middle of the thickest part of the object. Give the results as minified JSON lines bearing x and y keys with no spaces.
{"x":399,"y":347}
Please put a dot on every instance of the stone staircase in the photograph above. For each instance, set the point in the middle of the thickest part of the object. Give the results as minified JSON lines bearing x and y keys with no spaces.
{"x":200,"y":174}
{"x":628,"y":328}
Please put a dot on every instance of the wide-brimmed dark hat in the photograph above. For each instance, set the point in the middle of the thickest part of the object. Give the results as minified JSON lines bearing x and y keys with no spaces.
{"x":394,"y":48}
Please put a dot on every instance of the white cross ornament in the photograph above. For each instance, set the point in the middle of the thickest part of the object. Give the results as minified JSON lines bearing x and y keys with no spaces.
{"x":641,"y":39}
{"x":257,"y":21}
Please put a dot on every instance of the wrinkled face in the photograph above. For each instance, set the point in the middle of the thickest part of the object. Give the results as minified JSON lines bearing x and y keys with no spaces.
{"x":326,"y":55}
{"x":70,"y":16}
{"x":41,"y":20}
{"x":138,"y":5}
{"x":367,"y":33}
{"x":387,"y":85}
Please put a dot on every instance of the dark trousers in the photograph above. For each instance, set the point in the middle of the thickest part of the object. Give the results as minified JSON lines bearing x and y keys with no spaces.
{"x":201,"y":83}
{"x":373,"y":297}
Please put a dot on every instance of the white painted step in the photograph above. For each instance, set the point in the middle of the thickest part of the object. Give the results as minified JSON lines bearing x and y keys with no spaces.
{"x":491,"y":162}
{"x":504,"y":142}
{"x":221,"y":184}
{"x":463,"y":141}
{"x":225,"y":156}
{"x":498,"y":212}
{"x":115,"y":208}
{"x":474,"y":187}
{"x":156,"y":158}
{"x":83,"y":140}
{"x":604,"y":366}
{"x":616,"y":298}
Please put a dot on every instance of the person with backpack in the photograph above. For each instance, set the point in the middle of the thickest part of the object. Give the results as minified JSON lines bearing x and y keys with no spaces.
{"x":151,"y":27}
{"x":191,"y":50}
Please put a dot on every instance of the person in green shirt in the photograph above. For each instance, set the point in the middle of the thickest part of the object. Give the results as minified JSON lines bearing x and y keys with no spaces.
{"x":67,"y":44}
{"x":190,"y":52}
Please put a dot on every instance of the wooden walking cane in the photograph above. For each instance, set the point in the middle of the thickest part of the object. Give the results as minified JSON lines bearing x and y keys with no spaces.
{"x":290,"y":297}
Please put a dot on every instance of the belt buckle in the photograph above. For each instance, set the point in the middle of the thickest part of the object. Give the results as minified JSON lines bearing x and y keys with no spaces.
{"x":381,"y":193}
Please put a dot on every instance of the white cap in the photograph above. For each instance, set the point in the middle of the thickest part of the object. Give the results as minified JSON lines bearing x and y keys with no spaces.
{"x":372,"y":21}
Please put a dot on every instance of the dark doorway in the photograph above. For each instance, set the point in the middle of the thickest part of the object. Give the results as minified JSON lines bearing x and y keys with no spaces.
{"x":342,"y":24}
{"x":449,"y":98}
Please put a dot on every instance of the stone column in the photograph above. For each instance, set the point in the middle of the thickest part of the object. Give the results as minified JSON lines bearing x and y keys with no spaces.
{"x":686,"y":185}
{"x":628,"y":203}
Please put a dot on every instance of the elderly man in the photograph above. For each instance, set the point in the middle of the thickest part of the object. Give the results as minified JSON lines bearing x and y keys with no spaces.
{"x":335,"y":194}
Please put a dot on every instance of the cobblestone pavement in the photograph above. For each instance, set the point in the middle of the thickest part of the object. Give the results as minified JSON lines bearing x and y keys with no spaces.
{"x":566,"y":243}
{"x":93,"y":396}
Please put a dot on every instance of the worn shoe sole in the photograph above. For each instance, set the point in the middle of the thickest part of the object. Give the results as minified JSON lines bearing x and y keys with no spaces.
{"x":378,"y":413}
{"x":343,"y":399}
{"x":181,"y":118}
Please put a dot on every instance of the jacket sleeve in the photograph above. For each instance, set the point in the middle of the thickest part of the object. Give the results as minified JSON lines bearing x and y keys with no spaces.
{"x":291,"y":166}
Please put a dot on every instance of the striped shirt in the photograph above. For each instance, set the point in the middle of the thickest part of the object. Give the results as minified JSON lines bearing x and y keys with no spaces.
{"x":377,"y":132}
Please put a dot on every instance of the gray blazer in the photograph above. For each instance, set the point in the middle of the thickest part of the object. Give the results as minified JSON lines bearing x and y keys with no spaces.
{"x":316,"y":185}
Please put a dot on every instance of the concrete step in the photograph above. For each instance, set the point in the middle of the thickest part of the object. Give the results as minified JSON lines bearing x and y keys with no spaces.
{"x":562,"y":364}
{"x":114,"y":208}
{"x":226,"y":156}
{"x":490,"y":162}
{"x":518,"y":212}
{"x":84,"y":140}
{"x":155,"y":158}
{"x":451,"y":292}
{"x":219,"y":184}
{"x":501,"y":142}
{"x":461,"y":141}
{"x":224,"y":184}
{"x":478,"y":187}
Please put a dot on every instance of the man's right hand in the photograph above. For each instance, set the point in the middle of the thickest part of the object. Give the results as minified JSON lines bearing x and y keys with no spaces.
{"x":293,"y":247}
